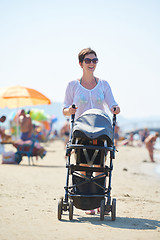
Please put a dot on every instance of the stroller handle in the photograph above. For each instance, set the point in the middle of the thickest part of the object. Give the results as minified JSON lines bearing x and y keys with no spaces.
{"x":114,"y":117}
{"x":73,"y":115}
{"x":68,"y":150}
{"x":72,"y":122}
{"x":114,"y":124}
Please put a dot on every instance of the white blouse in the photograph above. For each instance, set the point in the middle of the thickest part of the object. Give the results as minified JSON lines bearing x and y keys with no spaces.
{"x":99,"y":97}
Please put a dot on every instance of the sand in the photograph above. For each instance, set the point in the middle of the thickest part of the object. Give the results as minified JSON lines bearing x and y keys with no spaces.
{"x":29,"y":198}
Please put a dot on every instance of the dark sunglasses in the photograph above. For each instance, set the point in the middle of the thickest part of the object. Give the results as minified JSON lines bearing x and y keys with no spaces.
{"x":89,"y":60}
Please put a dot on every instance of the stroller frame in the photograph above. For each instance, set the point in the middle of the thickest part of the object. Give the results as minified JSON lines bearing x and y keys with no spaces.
{"x":82,"y":201}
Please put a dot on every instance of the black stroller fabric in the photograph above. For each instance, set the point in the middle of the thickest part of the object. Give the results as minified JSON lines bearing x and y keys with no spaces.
{"x":87,"y":194}
{"x":86,"y":187}
{"x":93,"y":124}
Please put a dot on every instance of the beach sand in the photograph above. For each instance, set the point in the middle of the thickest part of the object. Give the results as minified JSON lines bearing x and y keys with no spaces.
{"x":29,"y":198}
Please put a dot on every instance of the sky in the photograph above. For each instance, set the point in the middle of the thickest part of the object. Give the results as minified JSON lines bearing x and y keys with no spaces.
{"x":40,"y":42}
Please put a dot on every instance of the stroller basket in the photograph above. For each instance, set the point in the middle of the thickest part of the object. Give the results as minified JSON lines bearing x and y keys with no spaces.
{"x":86,"y":202}
{"x":87,"y":192}
{"x":84,"y":186}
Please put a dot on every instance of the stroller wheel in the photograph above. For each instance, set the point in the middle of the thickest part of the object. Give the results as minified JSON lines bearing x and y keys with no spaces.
{"x":59,"y":209}
{"x":113,"y":209}
{"x":102,"y":210}
{"x":70,"y":210}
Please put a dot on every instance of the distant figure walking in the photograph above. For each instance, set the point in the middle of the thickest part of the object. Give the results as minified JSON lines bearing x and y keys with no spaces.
{"x":25,"y":125}
{"x":65,"y":131}
{"x":116,"y":136}
{"x":149,"y":142}
{"x":131,"y":138}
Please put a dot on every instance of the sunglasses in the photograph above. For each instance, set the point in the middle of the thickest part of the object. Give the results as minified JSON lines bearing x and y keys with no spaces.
{"x":89,"y":60}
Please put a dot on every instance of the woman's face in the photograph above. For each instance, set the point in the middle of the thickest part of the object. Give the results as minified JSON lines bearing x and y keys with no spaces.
{"x":87,"y":65}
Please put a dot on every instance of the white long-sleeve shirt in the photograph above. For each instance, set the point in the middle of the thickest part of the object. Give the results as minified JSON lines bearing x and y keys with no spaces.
{"x":98,"y":97}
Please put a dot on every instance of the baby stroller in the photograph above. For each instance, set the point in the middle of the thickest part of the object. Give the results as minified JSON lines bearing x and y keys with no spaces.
{"x":92,"y":138}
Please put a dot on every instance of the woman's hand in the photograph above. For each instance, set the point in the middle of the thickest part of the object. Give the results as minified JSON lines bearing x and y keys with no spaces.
{"x":72,"y":110}
{"x":115,"y":109}
{"x":69,"y":111}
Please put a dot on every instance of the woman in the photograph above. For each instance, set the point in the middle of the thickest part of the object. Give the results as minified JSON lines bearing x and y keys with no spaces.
{"x":149,"y":142}
{"x":89,"y":91}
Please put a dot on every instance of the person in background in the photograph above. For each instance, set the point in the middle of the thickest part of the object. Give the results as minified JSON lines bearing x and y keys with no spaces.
{"x":131,"y":138}
{"x":2,"y":131}
{"x":149,"y":142}
{"x":2,"y":119}
{"x":145,"y":134}
{"x":116,"y":136}
{"x":5,"y":138}
{"x":65,"y":131}
{"x":89,"y":91}
{"x":25,"y":125}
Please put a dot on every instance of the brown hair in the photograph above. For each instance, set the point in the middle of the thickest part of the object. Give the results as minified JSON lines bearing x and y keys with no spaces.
{"x":84,"y":52}
{"x":3,"y":119}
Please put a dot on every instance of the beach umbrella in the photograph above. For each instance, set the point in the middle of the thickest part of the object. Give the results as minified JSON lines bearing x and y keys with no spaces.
{"x":20,"y":96}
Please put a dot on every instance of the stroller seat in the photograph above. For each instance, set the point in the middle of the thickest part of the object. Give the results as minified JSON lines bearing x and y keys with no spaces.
{"x":93,"y":124}
{"x":92,"y":130}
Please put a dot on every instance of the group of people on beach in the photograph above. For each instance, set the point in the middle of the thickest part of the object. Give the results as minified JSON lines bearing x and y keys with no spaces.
{"x":26,"y":138}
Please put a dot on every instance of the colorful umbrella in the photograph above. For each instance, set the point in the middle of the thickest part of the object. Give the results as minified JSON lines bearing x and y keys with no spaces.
{"x":19,"y":96}
{"x":38,"y":115}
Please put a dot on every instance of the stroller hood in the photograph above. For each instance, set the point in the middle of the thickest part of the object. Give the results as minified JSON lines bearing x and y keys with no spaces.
{"x":94,"y":123}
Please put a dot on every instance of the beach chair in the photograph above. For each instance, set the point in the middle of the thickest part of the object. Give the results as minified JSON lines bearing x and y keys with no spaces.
{"x":30,"y":150}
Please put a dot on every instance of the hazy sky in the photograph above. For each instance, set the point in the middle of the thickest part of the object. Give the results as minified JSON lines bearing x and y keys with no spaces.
{"x":40,"y":42}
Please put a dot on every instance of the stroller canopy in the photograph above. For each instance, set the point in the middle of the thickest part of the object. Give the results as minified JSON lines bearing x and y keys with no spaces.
{"x":93,"y":123}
